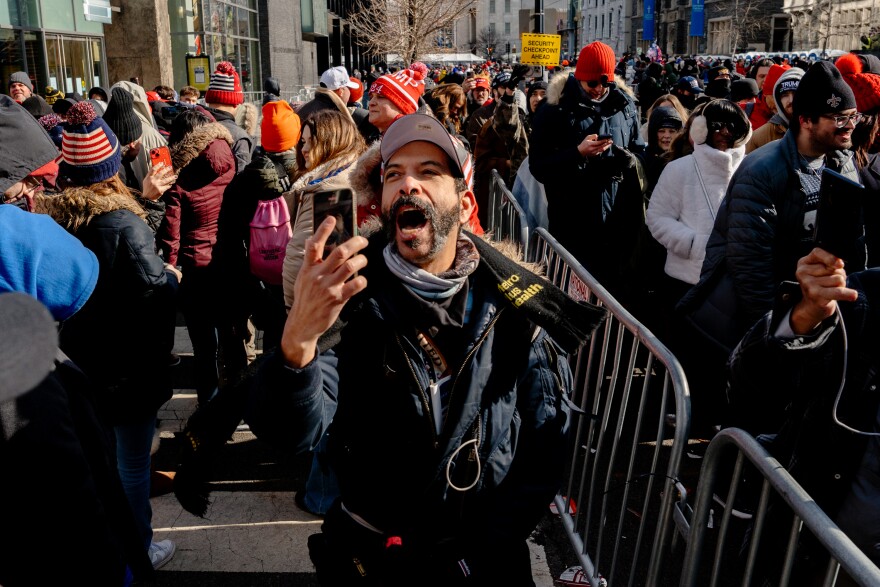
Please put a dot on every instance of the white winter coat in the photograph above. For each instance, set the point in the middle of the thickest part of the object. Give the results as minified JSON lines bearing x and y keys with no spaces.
{"x":680,"y":214}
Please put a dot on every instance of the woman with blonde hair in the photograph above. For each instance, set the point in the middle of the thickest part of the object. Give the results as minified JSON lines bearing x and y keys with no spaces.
{"x":329,"y":145}
{"x":448,"y":102}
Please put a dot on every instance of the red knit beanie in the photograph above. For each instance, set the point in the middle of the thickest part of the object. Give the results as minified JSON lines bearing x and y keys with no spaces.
{"x":595,"y":60}
{"x":225,"y":86}
{"x":403,"y":88}
{"x":865,"y":86}
{"x":773,"y":76}
{"x":280,"y":127}
{"x":357,"y":94}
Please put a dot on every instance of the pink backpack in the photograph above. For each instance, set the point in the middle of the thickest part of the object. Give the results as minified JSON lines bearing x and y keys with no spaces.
{"x":270,"y":232}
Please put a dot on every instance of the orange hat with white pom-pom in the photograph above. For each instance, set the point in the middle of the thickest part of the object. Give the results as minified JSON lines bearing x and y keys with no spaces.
{"x":403,"y":88}
{"x":225,"y":86}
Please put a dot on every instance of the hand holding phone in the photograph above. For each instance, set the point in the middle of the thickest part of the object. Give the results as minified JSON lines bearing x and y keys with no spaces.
{"x":161,"y":155}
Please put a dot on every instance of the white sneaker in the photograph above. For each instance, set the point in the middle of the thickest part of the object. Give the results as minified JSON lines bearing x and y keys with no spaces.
{"x":161,"y":553}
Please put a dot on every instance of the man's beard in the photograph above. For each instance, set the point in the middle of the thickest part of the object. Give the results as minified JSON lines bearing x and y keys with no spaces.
{"x":442,"y":222}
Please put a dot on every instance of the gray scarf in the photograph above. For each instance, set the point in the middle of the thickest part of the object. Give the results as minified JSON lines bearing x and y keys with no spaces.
{"x":430,"y":286}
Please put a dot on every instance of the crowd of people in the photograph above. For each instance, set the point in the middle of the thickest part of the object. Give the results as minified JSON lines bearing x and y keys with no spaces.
{"x":424,"y":367}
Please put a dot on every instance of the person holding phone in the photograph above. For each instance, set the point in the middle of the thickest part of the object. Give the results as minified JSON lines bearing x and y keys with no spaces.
{"x":201,"y":150}
{"x":446,"y":460}
{"x":589,"y":180}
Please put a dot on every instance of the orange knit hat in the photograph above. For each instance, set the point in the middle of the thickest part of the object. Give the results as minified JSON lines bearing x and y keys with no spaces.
{"x":594,"y":61}
{"x":280,"y":128}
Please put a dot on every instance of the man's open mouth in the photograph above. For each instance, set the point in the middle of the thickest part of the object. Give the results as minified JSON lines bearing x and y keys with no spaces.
{"x":411,"y":220}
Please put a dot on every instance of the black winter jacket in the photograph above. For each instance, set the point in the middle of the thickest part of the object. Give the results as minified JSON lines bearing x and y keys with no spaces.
{"x":510,"y":392}
{"x":870,"y":177}
{"x":132,"y":305}
{"x":585,"y":194}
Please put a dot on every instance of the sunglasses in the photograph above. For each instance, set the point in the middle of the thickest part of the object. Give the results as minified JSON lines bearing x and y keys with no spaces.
{"x":842,"y":121}
{"x":719,"y":126}
{"x":598,"y":82}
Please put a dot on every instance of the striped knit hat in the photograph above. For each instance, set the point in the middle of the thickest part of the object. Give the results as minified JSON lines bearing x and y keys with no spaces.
{"x":403,"y":88}
{"x":89,"y":149}
{"x":225,"y":86}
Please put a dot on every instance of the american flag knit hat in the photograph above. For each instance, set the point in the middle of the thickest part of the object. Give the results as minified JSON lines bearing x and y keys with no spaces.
{"x":89,"y":149}
{"x":225,"y":86}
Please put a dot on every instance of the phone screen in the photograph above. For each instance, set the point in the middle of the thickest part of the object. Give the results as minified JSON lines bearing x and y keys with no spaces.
{"x":839,"y":217}
{"x":340,"y":204}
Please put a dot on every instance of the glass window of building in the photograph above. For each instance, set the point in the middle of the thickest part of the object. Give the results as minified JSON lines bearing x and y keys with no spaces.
{"x":226,"y":30}
{"x":491,"y":6}
{"x":506,"y":28}
{"x":506,"y":6}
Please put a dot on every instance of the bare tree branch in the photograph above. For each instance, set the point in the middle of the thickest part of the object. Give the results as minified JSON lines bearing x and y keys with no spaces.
{"x":406,"y":27}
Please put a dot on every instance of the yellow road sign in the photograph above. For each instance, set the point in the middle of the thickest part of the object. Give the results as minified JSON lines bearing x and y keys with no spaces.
{"x":540,"y":49}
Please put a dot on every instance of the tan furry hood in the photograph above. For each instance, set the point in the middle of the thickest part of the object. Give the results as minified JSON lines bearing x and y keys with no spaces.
{"x":191,"y":146}
{"x":76,"y":207}
{"x":364,"y":178}
{"x":246,"y":117}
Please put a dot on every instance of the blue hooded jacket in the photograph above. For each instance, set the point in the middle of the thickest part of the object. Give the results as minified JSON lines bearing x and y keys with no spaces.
{"x":41,"y":259}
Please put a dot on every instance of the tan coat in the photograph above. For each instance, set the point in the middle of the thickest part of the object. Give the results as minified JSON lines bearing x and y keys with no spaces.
{"x":766,"y":134}
{"x":299,"y":198}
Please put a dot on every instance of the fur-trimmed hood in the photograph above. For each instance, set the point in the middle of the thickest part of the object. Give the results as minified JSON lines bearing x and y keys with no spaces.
{"x":191,"y":146}
{"x":76,"y":207}
{"x":364,"y":179}
{"x":556,"y":88}
{"x":246,"y":116}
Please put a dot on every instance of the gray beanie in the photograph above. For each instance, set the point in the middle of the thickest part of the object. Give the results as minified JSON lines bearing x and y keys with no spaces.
{"x":21,"y":78}
{"x":787,"y":82}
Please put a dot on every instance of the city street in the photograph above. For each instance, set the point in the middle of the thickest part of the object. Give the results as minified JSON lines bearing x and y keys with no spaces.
{"x":253,"y":533}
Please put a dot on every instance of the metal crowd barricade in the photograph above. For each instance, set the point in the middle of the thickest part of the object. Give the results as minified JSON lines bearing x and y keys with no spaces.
{"x":507,"y":221}
{"x":792,"y":509}
{"x":617,"y":503}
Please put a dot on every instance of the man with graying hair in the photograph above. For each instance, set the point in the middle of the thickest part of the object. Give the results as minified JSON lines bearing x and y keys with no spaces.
{"x":439,"y":366}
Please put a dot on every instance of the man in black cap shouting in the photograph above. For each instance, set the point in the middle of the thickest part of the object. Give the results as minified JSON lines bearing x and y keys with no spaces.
{"x":765,"y":223}
{"x":395,"y":342}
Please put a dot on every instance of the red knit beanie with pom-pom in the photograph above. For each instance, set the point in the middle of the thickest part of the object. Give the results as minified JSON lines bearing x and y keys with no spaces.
{"x":403,"y":88}
{"x":225,"y":86}
{"x":865,"y":84}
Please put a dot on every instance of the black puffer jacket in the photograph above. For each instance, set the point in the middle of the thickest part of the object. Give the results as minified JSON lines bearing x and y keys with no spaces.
{"x":759,"y":233}
{"x":870,"y":176}
{"x":132,"y":307}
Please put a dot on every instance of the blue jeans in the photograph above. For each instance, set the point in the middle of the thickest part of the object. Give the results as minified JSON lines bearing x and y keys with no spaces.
{"x":322,"y":488}
{"x":133,"y":443}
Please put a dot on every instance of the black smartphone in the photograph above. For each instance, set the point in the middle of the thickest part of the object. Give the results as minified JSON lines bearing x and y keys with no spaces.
{"x":603,"y":138}
{"x":839,"y":217}
{"x":340,"y":204}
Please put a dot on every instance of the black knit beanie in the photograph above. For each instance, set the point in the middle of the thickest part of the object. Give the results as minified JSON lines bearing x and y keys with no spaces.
{"x":120,"y":117}
{"x":37,"y":106}
{"x":823,"y":91}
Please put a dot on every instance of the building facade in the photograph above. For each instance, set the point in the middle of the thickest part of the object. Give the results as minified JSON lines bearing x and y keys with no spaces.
{"x":52,"y":41}
{"x":823,"y":25}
